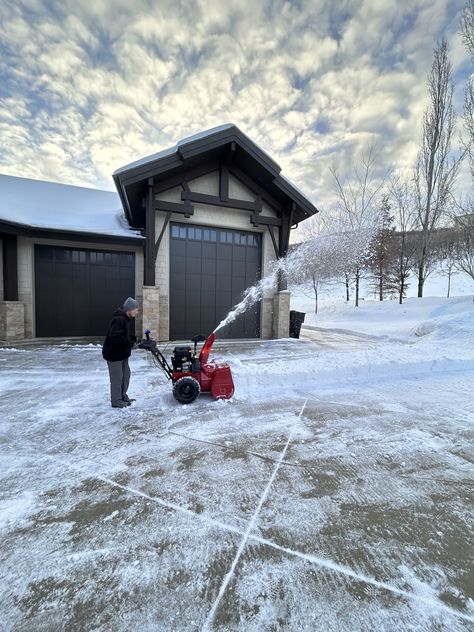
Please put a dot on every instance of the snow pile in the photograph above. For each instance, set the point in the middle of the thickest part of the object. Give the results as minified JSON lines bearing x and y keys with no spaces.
{"x":414,"y":318}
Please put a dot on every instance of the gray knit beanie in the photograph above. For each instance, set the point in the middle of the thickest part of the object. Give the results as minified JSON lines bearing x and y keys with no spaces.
{"x":130,"y":304}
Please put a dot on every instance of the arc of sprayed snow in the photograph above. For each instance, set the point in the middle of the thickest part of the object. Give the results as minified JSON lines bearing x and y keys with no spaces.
{"x":250,"y":526}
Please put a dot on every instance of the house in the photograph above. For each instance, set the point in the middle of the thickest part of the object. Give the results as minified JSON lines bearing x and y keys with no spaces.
{"x":67,"y":256}
{"x":190,"y":229}
{"x":216,"y":211}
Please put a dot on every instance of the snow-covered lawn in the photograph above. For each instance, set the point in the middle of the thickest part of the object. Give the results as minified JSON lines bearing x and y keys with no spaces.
{"x":334,"y":492}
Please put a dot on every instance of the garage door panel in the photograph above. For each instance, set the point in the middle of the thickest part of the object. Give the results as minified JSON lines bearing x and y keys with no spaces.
{"x":208,"y":250}
{"x":208,"y":282}
{"x":178,"y":264}
{"x":77,"y":290}
{"x":224,"y":266}
{"x":210,"y":269}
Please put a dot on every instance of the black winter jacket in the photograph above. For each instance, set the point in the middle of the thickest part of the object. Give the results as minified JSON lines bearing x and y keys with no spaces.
{"x":118,"y":341}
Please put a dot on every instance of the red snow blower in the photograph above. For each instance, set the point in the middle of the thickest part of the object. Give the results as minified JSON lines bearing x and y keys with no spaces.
{"x":191,"y":375}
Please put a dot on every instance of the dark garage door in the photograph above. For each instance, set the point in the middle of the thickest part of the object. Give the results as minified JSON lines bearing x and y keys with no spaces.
{"x":76,"y":290}
{"x":210,"y":269}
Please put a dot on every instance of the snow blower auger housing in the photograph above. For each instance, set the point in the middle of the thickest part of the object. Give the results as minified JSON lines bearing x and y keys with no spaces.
{"x":193,"y":375}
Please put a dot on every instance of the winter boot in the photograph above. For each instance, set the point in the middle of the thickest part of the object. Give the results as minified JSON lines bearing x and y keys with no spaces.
{"x":120,"y":405}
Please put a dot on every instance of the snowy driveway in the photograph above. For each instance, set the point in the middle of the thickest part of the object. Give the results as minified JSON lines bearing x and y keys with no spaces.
{"x":332,"y":493}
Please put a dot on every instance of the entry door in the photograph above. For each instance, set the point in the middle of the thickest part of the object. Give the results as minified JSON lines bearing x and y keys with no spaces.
{"x":77,"y":290}
{"x":209,"y":270}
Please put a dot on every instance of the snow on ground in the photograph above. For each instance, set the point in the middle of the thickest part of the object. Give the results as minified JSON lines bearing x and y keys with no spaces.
{"x":334,"y":491}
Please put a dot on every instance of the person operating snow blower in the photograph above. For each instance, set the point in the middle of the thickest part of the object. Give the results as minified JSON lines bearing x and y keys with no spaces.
{"x":117,"y":347}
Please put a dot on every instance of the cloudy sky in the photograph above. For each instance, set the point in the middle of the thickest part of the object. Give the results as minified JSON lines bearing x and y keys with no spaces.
{"x":87,"y":86}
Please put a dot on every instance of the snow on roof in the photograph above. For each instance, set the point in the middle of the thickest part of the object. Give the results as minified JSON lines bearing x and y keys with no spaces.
{"x":172,"y":150}
{"x":42,"y":204}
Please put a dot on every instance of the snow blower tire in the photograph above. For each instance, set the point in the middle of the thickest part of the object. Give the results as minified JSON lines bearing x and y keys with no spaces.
{"x":186,"y":390}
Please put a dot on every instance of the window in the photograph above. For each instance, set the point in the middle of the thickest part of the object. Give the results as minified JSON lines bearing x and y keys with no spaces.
{"x":209,"y":235}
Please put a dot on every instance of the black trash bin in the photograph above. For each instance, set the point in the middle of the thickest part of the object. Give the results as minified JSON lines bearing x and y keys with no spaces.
{"x":296,"y":320}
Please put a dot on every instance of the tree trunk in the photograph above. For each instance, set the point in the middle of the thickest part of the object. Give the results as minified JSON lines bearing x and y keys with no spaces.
{"x":347,"y":288}
{"x":357,"y":276}
{"x":315,"y":288}
{"x":421,"y":281}
{"x":402,"y":287}
{"x":380,"y":282}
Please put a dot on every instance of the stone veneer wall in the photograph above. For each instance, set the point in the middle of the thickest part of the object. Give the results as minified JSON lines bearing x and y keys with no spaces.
{"x":12,"y":320}
{"x":208,"y":215}
{"x":281,"y":314}
{"x":151,"y":312}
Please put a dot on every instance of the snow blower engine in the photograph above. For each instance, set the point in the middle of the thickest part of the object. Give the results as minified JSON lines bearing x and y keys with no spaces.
{"x":191,"y":375}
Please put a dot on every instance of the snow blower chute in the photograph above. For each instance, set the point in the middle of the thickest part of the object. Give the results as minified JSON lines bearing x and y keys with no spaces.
{"x":191,"y":375}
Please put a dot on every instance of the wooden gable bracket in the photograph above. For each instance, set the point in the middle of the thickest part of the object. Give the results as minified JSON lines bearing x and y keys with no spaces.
{"x":186,"y":209}
{"x":257,"y":219}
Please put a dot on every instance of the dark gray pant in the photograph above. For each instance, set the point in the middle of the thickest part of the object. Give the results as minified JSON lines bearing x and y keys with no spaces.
{"x":119,"y":373}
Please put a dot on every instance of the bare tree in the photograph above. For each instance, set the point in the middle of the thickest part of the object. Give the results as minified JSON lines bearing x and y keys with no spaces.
{"x":435,"y":170}
{"x":465,"y":241}
{"x":356,"y":205}
{"x":323,"y":256}
{"x":448,"y":257}
{"x":467,"y":32}
{"x":402,"y":197}
{"x":319,"y":261}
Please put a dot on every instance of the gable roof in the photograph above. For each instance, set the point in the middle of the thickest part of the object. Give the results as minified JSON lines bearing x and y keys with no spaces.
{"x":211,"y":144}
{"x":52,"y":206}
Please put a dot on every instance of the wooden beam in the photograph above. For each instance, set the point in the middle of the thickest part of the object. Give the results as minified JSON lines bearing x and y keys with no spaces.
{"x":230,"y":155}
{"x":285,"y":230}
{"x":186,"y":209}
{"x":204,"y":198}
{"x":177,"y":180}
{"x":257,"y":219}
{"x":224,"y":182}
{"x":256,"y":188}
{"x":149,"y":276}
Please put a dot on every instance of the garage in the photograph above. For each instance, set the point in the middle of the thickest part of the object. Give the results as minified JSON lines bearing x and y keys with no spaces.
{"x":77,"y":289}
{"x":209,"y":270}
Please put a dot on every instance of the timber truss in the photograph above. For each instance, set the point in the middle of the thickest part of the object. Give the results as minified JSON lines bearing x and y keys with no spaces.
{"x":189,"y":198}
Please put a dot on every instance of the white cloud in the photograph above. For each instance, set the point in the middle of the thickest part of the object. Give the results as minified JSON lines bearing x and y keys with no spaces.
{"x":87,"y":87}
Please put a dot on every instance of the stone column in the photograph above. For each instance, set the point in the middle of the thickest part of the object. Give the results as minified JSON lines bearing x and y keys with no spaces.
{"x":150,"y":310}
{"x":12,"y":320}
{"x":281,"y":314}
{"x":266,"y":319}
